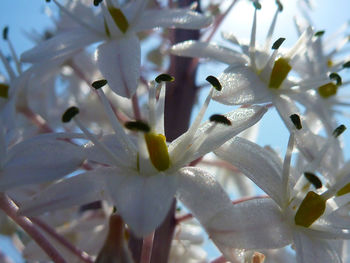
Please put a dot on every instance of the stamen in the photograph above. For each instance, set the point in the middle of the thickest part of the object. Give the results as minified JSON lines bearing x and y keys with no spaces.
{"x":9,"y":70}
{"x":75,"y":18}
{"x":279,"y":73}
{"x":4,"y":90}
{"x":310,"y":209}
{"x":97,"y":2}
{"x":271,"y":29}
{"x":72,"y":112}
{"x":313,"y":179}
{"x":278,"y":43}
{"x":286,"y":168}
{"x":296,"y":121}
{"x":214,"y":82}
{"x":137,"y":126}
{"x":117,"y":127}
{"x":69,"y":114}
{"x":327,"y":90}
{"x":108,"y":33}
{"x":164,"y":77}
{"x":346,"y":64}
{"x":339,"y":130}
{"x":5,"y":32}
{"x":336,"y":77}
{"x":319,"y":33}
{"x":344,"y":190}
{"x":257,"y":5}
{"x":220,"y":119}
{"x":99,"y":83}
{"x":252,"y":40}
{"x":280,"y":6}
{"x":158,"y":150}
{"x":119,"y":18}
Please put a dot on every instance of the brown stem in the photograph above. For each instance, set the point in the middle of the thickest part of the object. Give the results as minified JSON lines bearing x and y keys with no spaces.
{"x":147,"y":248}
{"x":10,"y":208}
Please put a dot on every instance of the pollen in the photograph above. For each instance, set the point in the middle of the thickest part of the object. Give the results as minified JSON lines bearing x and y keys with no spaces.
{"x":310,"y":209}
{"x":279,"y":73}
{"x":328,"y":90}
{"x":158,"y":150}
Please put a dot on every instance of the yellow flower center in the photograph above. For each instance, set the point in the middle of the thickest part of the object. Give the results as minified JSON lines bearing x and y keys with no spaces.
{"x":279,"y":73}
{"x":310,"y":209}
{"x":158,"y":150}
{"x":327,"y":90}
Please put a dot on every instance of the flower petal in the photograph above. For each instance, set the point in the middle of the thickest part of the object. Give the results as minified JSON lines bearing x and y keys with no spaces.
{"x":196,"y":49}
{"x":142,"y":201}
{"x":211,"y":135}
{"x":178,"y":18}
{"x":258,"y":164}
{"x":77,"y":190}
{"x":38,"y":160}
{"x":309,"y":249}
{"x":119,"y":62}
{"x":241,"y":85}
{"x":61,"y":45}
{"x":253,"y":224}
{"x":201,"y":193}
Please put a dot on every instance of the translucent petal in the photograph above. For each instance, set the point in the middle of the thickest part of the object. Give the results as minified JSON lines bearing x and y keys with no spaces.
{"x":40,"y":160}
{"x":61,"y":45}
{"x":241,"y":85}
{"x":142,"y":201}
{"x":178,"y":18}
{"x":77,"y":190}
{"x":309,"y":249}
{"x":258,"y":164}
{"x":196,"y":49}
{"x":119,"y":61}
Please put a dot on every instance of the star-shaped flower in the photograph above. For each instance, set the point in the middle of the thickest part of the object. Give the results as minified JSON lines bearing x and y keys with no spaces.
{"x":119,"y":55}
{"x":143,"y":171}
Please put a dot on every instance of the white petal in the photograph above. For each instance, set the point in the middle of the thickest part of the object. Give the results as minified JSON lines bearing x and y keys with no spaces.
{"x":119,"y":62}
{"x":142,"y":201}
{"x":258,"y":164}
{"x":253,"y":224}
{"x":196,"y":49}
{"x":61,"y":45}
{"x":241,"y":85}
{"x":113,"y":144}
{"x":40,"y":159}
{"x":211,"y":135}
{"x":309,"y":249}
{"x":201,"y":194}
{"x":178,"y":18}
{"x":77,"y":190}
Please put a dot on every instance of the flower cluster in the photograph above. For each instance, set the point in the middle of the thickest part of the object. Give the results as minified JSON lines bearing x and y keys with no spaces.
{"x":99,"y":161}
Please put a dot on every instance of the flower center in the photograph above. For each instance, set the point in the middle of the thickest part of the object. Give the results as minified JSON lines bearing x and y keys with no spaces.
{"x":279,"y":73}
{"x":310,"y":209}
{"x":158,"y":150}
{"x":327,"y":90}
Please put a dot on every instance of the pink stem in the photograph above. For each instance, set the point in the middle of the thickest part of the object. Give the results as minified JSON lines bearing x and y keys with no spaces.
{"x":221,"y":259}
{"x":10,"y":208}
{"x":79,"y":253}
{"x":136,"y":107}
{"x":147,"y":249}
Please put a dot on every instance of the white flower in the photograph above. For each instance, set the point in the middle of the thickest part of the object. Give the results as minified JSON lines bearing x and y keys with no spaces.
{"x":305,"y":214}
{"x":255,"y":75}
{"x":119,"y":55}
{"x":142,"y":176}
